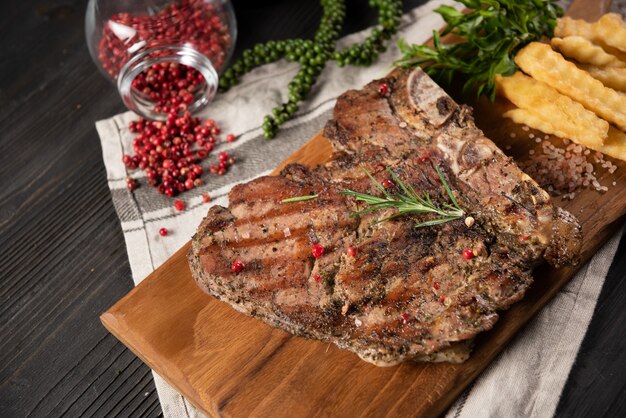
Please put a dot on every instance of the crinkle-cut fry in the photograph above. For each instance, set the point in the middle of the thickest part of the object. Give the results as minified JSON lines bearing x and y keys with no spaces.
{"x":544,"y":64}
{"x":614,"y":145}
{"x":595,"y":32}
{"x":566,"y":26}
{"x":612,"y":77}
{"x":570,"y":117}
{"x":612,"y":30}
{"x":586,"y":52}
{"x":533,"y":120}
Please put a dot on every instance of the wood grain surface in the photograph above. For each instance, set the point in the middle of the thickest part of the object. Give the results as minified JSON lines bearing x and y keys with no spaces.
{"x":230,"y":365}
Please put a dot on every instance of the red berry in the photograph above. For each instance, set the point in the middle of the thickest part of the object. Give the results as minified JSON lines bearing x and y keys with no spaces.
{"x":189,"y":184}
{"x":237,"y":265}
{"x":468,"y":254}
{"x":383,"y":89}
{"x":436,"y":285}
{"x":442,"y":298}
{"x":206,"y":198}
{"x":317,"y":278}
{"x":317,"y":250}
{"x":405,"y":318}
{"x":223,"y":156}
{"x":163,"y":232}
{"x":230,"y":138}
{"x":131,"y":183}
{"x":351,"y":251}
{"x":179,"y":205}
{"x":387,"y":184}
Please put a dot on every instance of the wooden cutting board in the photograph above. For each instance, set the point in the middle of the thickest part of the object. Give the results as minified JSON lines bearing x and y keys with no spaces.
{"x":227,"y":364}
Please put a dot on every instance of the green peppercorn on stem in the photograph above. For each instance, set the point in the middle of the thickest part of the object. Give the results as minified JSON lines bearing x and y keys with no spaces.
{"x":312,"y":55}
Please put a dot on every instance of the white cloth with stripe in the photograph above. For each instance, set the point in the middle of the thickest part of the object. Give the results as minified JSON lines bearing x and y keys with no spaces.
{"x":525,"y":380}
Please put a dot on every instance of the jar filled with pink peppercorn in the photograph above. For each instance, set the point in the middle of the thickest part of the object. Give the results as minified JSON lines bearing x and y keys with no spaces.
{"x":163,"y":55}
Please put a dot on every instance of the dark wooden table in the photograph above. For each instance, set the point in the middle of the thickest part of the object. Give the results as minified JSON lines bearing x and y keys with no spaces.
{"x":63,"y":255}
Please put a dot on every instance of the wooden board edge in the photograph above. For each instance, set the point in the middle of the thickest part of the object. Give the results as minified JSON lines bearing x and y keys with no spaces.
{"x":110,"y":322}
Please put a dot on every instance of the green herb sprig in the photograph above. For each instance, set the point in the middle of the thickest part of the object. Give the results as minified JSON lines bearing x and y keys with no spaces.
{"x":408,"y":202}
{"x":300,"y":198}
{"x":491,"y":32}
{"x":313,"y":54}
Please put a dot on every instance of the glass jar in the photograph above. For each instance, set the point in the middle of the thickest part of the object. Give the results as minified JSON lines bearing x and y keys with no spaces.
{"x":161,"y":54}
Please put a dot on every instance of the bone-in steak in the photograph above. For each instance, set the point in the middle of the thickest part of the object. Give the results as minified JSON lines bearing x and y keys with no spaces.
{"x":406,"y":293}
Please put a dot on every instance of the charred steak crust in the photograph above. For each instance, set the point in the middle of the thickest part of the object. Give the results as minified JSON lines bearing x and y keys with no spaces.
{"x":407,"y":294}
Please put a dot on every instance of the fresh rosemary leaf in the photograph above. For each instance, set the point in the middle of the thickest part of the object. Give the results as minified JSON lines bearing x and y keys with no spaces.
{"x":409,"y":202}
{"x":491,"y":33}
{"x":299,"y":198}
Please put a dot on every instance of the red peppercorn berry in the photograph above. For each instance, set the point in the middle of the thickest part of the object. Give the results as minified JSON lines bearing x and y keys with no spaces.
{"x":317,"y":278}
{"x":442,"y":298}
{"x":203,"y":28}
{"x":351,"y":251}
{"x":468,"y":254}
{"x":163,"y":232}
{"x":383,"y":89}
{"x":205,"y":197}
{"x":237,"y":265}
{"x":405,"y":318}
{"x":436,"y":285}
{"x":131,"y":183}
{"x":169,"y":155}
{"x":179,"y":205}
{"x":230,"y":138}
{"x":317,"y":250}
{"x":387,"y":184}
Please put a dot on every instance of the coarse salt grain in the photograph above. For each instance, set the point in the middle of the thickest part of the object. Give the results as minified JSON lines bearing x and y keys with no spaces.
{"x":287,"y":232}
{"x":402,"y":125}
{"x":358,"y":322}
{"x":563,"y":171}
{"x":513,"y":135}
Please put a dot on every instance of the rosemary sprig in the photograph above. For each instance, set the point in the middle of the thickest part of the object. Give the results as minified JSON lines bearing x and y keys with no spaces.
{"x":408,"y":202}
{"x":299,"y":198}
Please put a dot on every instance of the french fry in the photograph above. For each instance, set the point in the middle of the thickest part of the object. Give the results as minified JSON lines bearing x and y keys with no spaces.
{"x":544,"y":64}
{"x":599,"y":33}
{"x":614,"y":145}
{"x":569,"y":118}
{"x":533,"y":120}
{"x":586,"y":52}
{"x":612,"y":77}
{"x":612,"y":30}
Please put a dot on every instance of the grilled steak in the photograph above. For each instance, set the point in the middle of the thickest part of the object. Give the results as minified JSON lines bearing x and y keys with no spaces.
{"x":407,"y":293}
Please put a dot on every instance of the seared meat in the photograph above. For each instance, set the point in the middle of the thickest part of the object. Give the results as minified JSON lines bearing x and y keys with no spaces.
{"x":407,"y":293}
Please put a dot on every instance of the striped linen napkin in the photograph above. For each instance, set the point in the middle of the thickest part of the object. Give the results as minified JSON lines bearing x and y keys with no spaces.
{"x":526,"y":379}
